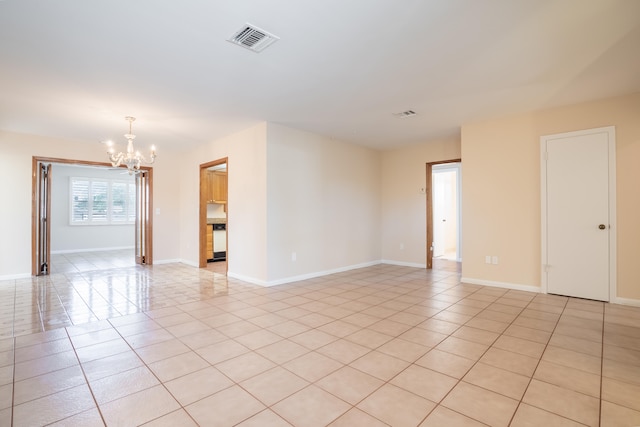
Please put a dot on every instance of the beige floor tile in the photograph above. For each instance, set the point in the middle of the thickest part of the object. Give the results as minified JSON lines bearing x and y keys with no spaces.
{"x":355,"y":417}
{"x":161,"y":351}
{"x":464,"y":348}
{"x":396,"y":407}
{"x":149,"y":338}
{"x":576,"y":344}
{"x":529,"y":322}
{"x":39,"y":350}
{"x":123,"y":384}
{"x":202,"y":339}
{"x":530,"y":416}
{"x":266,"y":418}
{"x":479,"y":336}
{"x":423,"y":337}
{"x":380,"y":365}
{"x":488,"y":325}
{"x":405,"y":350}
{"x":446,"y":363}
{"x":570,"y":378}
{"x":225,"y":408}
{"x":514,"y":362}
{"x":520,"y":345}
{"x":245,"y":366}
{"x":50,"y":383}
{"x":368,"y":338}
{"x":621,"y":354}
{"x":53,"y":407}
{"x":480,"y":404}
{"x":188,"y":328}
{"x":311,"y":407}
{"x":424,"y":382}
{"x":177,"y":366}
{"x":258,"y":339}
{"x":6,"y":396}
{"x":111,"y":365}
{"x":282,"y":351}
{"x":312,"y":366}
{"x":221,"y":351}
{"x":339,"y":329}
{"x":197,"y":385}
{"x":615,"y":415}
{"x":313,"y":339}
{"x":561,"y":401}
{"x":349,"y":384}
{"x":101,"y":350}
{"x":343,"y":351}
{"x":289,"y":328}
{"x":173,"y":419}
{"x":274,"y":385}
{"x":534,"y":335}
{"x":442,"y":416}
{"x":572,"y":359}
{"x":498,"y":380}
{"x":90,"y":418}
{"x":621,"y":393}
{"x":44,"y":365}
{"x":440,"y":326}
{"x":621,"y":371}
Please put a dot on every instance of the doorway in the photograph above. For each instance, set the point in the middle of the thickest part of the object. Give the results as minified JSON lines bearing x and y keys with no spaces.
{"x":578,"y":214}
{"x":444,"y":211}
{"x":213,"y":231}
{"x":138,"y":198}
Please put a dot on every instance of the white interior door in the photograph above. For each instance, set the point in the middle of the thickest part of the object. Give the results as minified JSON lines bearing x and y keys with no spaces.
{"x":577,"y":213}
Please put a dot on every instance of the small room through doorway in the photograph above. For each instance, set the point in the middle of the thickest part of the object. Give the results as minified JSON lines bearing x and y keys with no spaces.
{"x":444,"y":219}
{"x":213,"y":216}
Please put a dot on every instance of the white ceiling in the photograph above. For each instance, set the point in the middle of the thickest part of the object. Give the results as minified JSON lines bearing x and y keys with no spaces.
{"x":74,"y":68}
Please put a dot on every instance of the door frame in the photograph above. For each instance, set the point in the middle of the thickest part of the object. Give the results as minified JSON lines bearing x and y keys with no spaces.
{"x":202,"y":228}
{"x":611,"y":133}
{"x":35,"y":205}
{"x":429,"y":191}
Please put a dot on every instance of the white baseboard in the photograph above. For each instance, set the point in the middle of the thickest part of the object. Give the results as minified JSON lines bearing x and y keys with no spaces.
{"x":182,"y":261}
{"x":506,"y":285}
{"x":403,"y":264}
{"x":75,"y":251}
{"x":166,"y":261}
{"x":627,"y":301}
{"x":15,"y":276}
{"x":302,"y":276}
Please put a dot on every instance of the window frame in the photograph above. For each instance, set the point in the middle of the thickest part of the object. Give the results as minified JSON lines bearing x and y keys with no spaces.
{"x":108,"y":219}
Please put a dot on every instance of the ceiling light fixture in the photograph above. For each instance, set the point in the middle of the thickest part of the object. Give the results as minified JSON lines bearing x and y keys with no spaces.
{"x":131,"y":159}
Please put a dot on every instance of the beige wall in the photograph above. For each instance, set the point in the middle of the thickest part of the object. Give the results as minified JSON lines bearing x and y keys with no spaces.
{"x":246,"y":213}
{"x":501,"y":190}
{"x":16,"y":152}
{"x":404,"y":209}
{"x":323,"y":203}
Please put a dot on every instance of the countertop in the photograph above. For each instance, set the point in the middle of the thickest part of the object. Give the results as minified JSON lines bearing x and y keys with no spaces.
{"x":216,"y":220}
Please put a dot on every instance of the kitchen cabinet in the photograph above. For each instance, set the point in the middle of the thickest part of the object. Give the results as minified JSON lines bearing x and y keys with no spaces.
{"x":217,"y":187}
{"x":209,"y":241}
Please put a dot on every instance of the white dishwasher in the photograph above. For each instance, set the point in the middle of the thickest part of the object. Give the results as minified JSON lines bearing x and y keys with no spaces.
{"x":219,"y":241}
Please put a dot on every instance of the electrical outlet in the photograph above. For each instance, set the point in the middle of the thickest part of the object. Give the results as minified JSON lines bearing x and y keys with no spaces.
{"x":494,"y":259}
{"x":487,"y":259}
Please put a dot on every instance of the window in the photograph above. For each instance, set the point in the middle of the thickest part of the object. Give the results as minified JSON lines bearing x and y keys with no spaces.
{"x":102,"y":201}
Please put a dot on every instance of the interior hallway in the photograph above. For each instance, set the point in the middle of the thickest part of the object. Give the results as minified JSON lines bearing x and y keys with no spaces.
{"x":384,"y":345}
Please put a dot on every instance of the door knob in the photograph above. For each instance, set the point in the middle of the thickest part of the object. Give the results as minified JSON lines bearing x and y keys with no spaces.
{"x":602,"y":226}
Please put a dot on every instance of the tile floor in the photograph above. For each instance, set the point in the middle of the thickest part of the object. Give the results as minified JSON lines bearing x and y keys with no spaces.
{"x":385,"y":345}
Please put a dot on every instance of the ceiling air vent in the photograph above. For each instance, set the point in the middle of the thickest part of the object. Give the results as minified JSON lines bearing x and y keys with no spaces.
{"x":405,"y":114}
{"x":253,"y":38}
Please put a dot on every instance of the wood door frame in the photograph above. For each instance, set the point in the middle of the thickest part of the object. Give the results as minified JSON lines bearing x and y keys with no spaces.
{"x":202,"y":228}
{"x":429,"y":191}
{"x":35,"y":160}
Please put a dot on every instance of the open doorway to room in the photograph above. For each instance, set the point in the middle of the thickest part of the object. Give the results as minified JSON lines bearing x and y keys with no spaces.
{"x":89,"y":216}
{"x":213,"y":216}
{"x":444,"y":212}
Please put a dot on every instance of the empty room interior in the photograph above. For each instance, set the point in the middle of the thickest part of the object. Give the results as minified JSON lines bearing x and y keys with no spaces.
{"x":304,"y":213}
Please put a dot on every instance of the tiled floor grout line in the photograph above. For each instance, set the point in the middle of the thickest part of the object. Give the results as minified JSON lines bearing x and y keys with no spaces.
{"x":604,"y":313}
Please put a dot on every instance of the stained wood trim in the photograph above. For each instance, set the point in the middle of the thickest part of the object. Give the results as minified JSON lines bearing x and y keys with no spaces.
{"x":202,"y":229}
{"x":429,"y":191}
{"x":35,"y":160}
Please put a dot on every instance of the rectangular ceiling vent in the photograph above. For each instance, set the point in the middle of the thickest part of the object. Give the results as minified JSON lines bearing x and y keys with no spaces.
{"x":405,"y":114}
{"x":253,"y":38}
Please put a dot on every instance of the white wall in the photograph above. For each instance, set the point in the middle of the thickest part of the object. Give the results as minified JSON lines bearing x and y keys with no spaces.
{"x":16,"y":152}
{"x":323,"y":203}
{"x":404,"y":209}
{"x":71,"y":238}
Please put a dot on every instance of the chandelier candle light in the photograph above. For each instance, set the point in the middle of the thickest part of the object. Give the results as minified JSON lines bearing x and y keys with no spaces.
{"x":131,"y":159}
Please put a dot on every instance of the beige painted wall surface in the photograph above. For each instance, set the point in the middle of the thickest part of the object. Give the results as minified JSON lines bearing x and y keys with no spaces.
{"x":323,"y":203}
{"x":16,"y":152}
{"x":246,"y":214}
{"x":404,"y":209}
{"x":501,"y":190}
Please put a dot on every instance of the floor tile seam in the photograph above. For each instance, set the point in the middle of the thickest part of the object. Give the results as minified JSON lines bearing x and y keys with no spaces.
{"x":86,"y":380}
{"x":534,"y":372}
{"x":601,"y":369}
{"x":152,"y":372}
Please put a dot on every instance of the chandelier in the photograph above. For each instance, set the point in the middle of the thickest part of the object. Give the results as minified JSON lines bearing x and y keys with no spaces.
{"x":131,"y":159}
